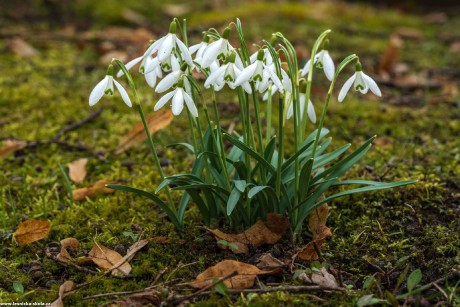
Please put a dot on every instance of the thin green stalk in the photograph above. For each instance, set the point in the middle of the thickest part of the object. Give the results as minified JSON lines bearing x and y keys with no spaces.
{"x":269,"y":116}
{"x":255,"y":99}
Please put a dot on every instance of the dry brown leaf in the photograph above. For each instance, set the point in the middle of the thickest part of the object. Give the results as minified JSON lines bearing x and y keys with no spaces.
{"x":106,"y":258}
{"x":322,"y":278}
{"x":147,"y":298}
{"x":77,"y":170}
{"x":10,"y":146}
{"x":71,"y":243}
{"x":65,"y":289}
{"x":156,"y":121}
{"x":133,"y":249}
{"x":31,"y":230}
{"x":244,"y":280}
{"x":83,"y":193}
{"x":268,"y":262}
{"x":268,"y":232}
{"x":20,"y":47}
{"x":317,"y":224}
{"x":390,"y":56}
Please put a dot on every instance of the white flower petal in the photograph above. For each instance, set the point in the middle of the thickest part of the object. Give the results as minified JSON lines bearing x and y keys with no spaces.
{"x":306,"y":68}
{"x":168,"y":81}
{"x":328,"y":65}
{"x":211,"y":52}
{"x":215,"y":75}
{"x":98,"y":91}
{"x":154,"y":47}
{"x":195,"y":48}
{"x":184,"y":52}
{"x":151,"y":79}
{"x":246,"y":74}
{"x":123,"y":93}
{"x":346,"y":87}
{"x":372,"y":85}
{"x":129,"y":65}
{"x":178,"y":102}
{"x":290,"y":111}
{"x":246,"y":86}
{"x":190,"y":104}
{"x":359,"y":82}
{"x":166,"y":47}
{"x":151,"y":65}
{"x":311,"y":112}
{"x":163,"y":100}
{"x":276,"y":80}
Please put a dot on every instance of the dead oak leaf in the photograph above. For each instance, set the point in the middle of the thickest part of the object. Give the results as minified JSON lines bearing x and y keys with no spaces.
{"x":10,"y":146}
{"x":317,"y":224}
{"x":268,"y":232}
{"x":244,"y":280}
{"x":268,"y":262}
{"x":147,"y":298}
{"x":31,"y":230}
{"x":77,"y":170}
{"x":83,"y":193}
{"x":322,"y":278}
{"x":155,"y":122}
{"x":65,"y":289}
{"x":109,"y":259}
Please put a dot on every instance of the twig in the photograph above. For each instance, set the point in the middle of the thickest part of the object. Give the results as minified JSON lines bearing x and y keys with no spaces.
{"x":69,"y":263}
{"x":77,"y":124}
{"x":114,"y":294}
{"x":157,"y":278}
{"x":202,"y":291}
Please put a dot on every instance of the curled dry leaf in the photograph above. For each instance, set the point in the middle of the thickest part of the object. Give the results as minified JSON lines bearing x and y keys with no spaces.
{"x":109,"y":259}
{"x":317,"y":225}
{"x":155,"y":122}
{"x":268,"y":232}
{"x":133,"y":249}
{"x":322,"y":278}
{"x":10,"y":146}
{"x":70,"y":243}
{"x":268,"y":262}
{"x":83,"y":193}
{"x":22,"y":48}
{"x":390,"y":56}
{"x":244,"y":280}
{"x":77,"y":170}
{"x":65,"y":289}
{"x":147,"y":298}
{"x":31,"y":230}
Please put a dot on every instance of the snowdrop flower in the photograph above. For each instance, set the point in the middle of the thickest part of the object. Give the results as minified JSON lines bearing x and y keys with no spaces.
{"x":170,"y":63}
{"x":105,"y":86}
{"x":310,"y":108}
{"x":144,"y":59}
{"x":199,"y":49}
{"x":170,"y":79}
{"x":259,"y":73}
{"x":218,"y":50}
{"x":226,"y":74}
{"x":152,"y":71}
{"x":167,"y":44}
{"x":179,"y":96}
{"x":322,"y":60}
{"x":361,"y":82}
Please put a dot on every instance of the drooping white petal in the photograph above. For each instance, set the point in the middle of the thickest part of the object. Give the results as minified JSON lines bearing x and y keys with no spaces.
{"x":246,"y":86}
{"x":178,"y":101}
{"x":154,"y":47}
{"x":184,"y":52}
{"x":163,"y":100}
{"x":211,"y":52}
{"x":98,"y":91}
{"x":123,"y":93}
{"x":306,"y":68}
{"x":328,"y":65}
{"x":346,"y":87}
{"x":130,"y":65}
{"x":166,"y":47}
{"x":190,"y":104}
{"x":372,"y":85}
{"x":360,"y":84}
{"x":276,"y":80}
{"x":215,"y":75}
{"x":246,"y":74}
{"x":195,"y":47}
{"x":168,"y":81}
{"x":290,"y":111}
{"x":311,"y":112}
{"x":151,"y":65}
{"x":151,"y":79}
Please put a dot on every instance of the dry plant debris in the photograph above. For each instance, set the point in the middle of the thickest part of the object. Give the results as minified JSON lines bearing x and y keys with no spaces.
{"x":70,"y":243}
{"x":65,"y":289}
{"x":268,"y":232}
{"x":11,"y":146}
{"x":109,"y":259}
{"x":77,"y":170}
{"x":321,"y":278}
{"x":31,"y":230}
{"x":83,"y":193}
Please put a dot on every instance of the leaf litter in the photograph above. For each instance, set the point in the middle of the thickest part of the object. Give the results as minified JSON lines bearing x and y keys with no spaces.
{"x":31,"y":230}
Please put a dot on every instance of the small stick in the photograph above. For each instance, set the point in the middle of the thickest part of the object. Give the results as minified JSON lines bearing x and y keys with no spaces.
{"x":77,"y":124}
{"x":114,"y":294}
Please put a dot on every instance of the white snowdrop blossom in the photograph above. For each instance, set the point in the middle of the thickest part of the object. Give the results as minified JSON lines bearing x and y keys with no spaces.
{"x":226,"y":74}
{"x":260,"y":74}
{"x":322,"y":60}
{"x":218,"y":50}
{"x":171,"y":79}
{"x":310,"y":108}
{"x":152,"y":72}
{"x":361,"y":82}
{"x":198,"y":49}
{"x":179,"y":96}
{"x":106,"y":87}
{"x":165,"y":46}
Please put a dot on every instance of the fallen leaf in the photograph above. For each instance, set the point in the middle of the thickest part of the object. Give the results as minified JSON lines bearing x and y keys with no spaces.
{"x":155,"y":122}
{"x":268,"y":262}
{"x":10,"y":146}
{"x":322,"y":278}
{"x":268,"y":232}
{"x":108,"y":259}
{"x":83,"y":193}
{"x":244,"y":280}
{"x":147,"y":298}
{"x":71,"y":243}
{"x":133,"y":249}
{"x":77,"y":170}
{"x":390,"y":56}
{"x":317,"y":224}
{"x":31,"y":230}
{"x":65,"y":289}
{"x":20,"y":47}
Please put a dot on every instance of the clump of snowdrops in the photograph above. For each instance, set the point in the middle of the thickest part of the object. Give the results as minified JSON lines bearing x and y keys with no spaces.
{"x":255,"y":176}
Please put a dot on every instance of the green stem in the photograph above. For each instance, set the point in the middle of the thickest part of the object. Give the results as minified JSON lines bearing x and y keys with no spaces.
{"x":255,"y":99}
{"x":269,"y":115}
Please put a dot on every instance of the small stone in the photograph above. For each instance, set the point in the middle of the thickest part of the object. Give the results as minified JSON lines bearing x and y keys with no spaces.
{"x":165,"y":162}
{"x":37,"y":275}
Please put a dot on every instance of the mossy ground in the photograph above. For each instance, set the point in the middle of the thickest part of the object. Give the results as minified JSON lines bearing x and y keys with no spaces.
{"x":371,"y":232}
